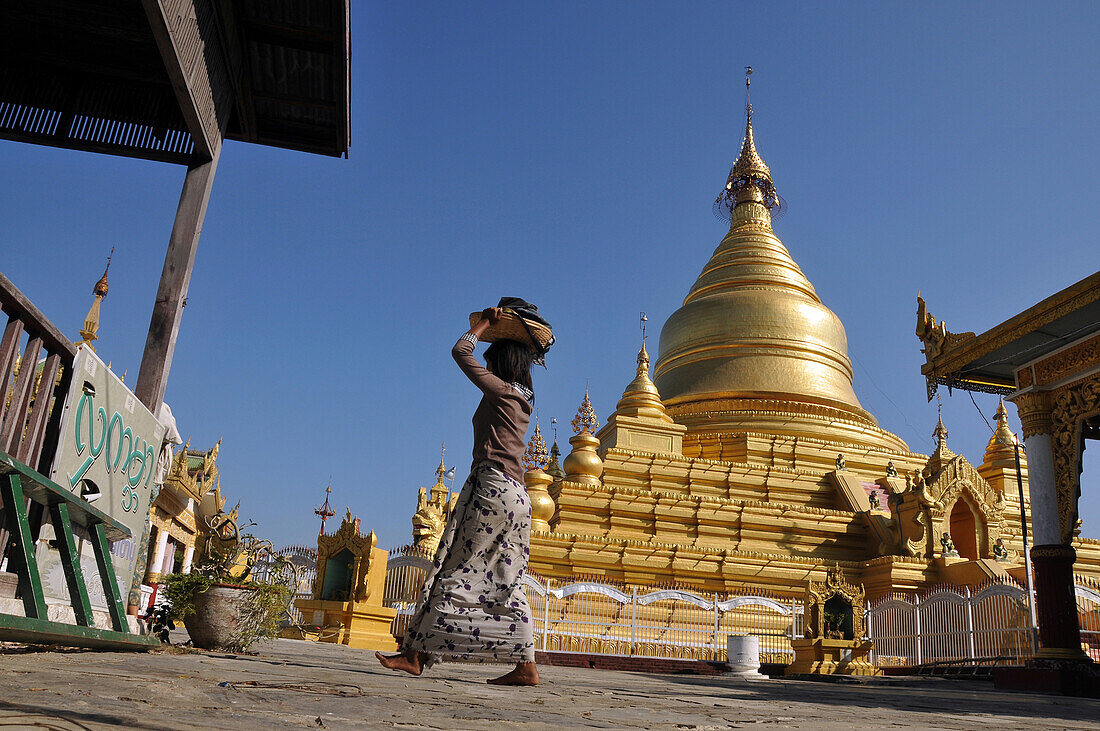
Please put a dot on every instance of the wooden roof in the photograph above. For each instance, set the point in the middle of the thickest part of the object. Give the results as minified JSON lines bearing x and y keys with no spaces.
{"x":169,"y":79}
{"x":988,"y":362}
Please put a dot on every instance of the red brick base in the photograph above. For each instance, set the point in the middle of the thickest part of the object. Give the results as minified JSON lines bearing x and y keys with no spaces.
{"x":635,"y":664}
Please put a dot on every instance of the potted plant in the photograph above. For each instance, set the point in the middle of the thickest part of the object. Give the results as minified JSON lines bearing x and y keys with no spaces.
{"x":235,"y":594}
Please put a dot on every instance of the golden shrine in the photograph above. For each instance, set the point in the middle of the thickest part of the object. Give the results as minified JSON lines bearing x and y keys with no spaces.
{"x":347,"y":593}
{"x":834,"y":643}
{"x":190,"y":496}
{"x":746,"y":462}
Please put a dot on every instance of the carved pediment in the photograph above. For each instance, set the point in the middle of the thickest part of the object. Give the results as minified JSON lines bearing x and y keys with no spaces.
{"x":958,"y":477}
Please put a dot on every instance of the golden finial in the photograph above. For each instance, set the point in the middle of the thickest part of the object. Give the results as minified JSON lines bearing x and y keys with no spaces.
{"x":585,"y":420}
{"x":940,"y":433}
{"x":324,"y":511}
{"x":535,"y":457}
{"x":100,"y":288}
{"x":441,"y":469}
{"x":1001,"y":450}
{"x":749,"y":178}
{"x":91,"y":320}
{"x":554,"y":467}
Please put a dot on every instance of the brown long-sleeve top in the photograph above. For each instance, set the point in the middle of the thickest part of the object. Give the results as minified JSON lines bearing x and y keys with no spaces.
{"x":502,"y":417}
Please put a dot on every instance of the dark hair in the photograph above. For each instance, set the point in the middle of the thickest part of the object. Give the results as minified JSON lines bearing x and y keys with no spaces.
{"x":510,"y":361}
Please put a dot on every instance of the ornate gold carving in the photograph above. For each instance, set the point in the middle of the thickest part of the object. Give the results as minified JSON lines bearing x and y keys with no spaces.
{"x":432,"y":510}
{"x":347,"y":537}
{"x":1059,"y":305}
{"x":1072,"y":403}
{"x":819,"y":592}
{"x":535,"y":457}
{"x":1024,"y":378}
{"x":934,"y":335}
{"x":1034,"y":410}
{"x":1065,"y":364}
{"x":585,"y":420}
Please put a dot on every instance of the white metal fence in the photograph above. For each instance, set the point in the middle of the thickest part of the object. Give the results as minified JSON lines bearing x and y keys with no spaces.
{"x":304,"y":560}
{"x":601,"y":618}
{"x":405,"y":574}
{"x":1087,"y":594}
{"x":990,"y":625}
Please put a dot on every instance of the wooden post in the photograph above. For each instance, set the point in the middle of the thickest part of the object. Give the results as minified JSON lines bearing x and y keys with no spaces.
{"x":179,"y":260}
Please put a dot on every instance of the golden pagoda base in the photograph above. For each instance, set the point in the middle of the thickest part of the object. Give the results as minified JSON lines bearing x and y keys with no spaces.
{"x":355,"y":624}
{"x":827,"y":657}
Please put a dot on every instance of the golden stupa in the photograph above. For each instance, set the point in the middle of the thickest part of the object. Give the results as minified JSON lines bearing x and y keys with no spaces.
{"x":753,"y":338}
{"x":747,"y":462}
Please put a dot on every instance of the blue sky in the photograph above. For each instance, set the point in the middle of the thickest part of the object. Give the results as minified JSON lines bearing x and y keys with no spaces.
{"x":569,"y":153}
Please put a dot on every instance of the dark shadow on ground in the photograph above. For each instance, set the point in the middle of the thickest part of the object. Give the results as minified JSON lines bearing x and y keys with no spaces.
{"x":935,"y":695}
{"x":76,"y":717}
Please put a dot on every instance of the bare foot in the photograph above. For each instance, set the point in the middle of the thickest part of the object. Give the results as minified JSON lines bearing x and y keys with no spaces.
{"x":410,"y":661}
{"x":525,"y":673}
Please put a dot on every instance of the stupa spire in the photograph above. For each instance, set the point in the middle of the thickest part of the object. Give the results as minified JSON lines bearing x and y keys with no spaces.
{"x":940,"y":432}
{"x":1001,"y":450}
{"x":749,"y":178}
{"x":90,"y":331}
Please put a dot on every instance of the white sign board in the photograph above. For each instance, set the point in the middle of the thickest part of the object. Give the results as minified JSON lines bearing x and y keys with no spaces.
{"x":108,"y":452}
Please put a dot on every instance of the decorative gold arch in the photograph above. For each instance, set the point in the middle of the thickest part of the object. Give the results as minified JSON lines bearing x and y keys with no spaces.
{"x":1072,"y":404}
{"x":959,"y":480}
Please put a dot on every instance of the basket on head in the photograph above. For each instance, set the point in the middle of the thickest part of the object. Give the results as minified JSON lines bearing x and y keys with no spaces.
{"x":520,"y":321}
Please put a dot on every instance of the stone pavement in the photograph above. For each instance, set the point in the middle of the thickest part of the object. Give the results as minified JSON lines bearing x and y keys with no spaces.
{"x":296,"y":684}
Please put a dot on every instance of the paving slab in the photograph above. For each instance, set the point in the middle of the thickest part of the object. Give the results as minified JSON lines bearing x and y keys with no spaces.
{"x":298,"y":684}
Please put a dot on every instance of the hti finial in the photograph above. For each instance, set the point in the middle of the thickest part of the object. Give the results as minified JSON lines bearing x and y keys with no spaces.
{"x":940,"y":434}
{"x":100,"y":287}
{"x":535,"y":457}
{"x":585,"y":420}
{"x":554,"y":426}
{"x":749,"y":178}
{"x":325,"y":511}
{"x":642,"y":320}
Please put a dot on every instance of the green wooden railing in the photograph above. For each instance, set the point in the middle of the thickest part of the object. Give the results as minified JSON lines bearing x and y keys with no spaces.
{"x":20,"y":484}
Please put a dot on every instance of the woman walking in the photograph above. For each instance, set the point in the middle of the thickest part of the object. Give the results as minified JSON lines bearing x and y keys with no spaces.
{"x":473,"y":606}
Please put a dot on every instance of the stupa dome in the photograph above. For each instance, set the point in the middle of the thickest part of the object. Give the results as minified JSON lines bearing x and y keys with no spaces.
{"x":753,"y":348}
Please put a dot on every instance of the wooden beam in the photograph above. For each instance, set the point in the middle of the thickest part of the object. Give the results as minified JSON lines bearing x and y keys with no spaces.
{"x":198,"y":65}
{"x":160,"y":344}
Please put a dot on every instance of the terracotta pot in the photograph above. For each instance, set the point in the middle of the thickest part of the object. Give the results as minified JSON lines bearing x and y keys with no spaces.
{"x":217,"y":617}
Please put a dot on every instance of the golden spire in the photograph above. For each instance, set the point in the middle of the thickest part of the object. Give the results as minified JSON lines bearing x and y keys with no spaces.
{"x":91,"y":320}
{"x":439,"y":489}
{"x":749,"y":178}
{"x":1001,"y":450}
{"x":442,"y":468}
{"x":585,"y":420}
{"x":554,"y":467}
{"x":940,"y":432}
{"x":535,"y":456}
{"x":641,"y":397}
